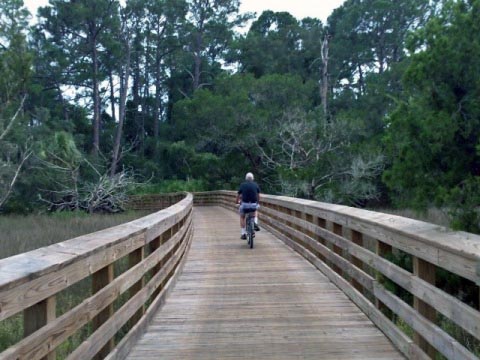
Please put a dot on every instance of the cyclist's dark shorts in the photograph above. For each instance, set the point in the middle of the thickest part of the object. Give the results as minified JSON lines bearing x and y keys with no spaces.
{"x":248,"y":207}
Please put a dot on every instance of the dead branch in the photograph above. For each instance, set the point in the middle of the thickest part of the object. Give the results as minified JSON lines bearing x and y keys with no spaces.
{"x":106,"y":195}
{"x":13,"y":119}
{"x":9,"y":190}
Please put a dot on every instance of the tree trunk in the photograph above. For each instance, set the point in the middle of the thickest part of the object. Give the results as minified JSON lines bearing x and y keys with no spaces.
{"x":96,"y":101}
{"x":157,"y":110}
{"x":137,"y":83}
{"x":361,"y":81}
{"x":158,"y":93}
{"x":124,"y":78}
{"x":324,"y":80}
{"x":197,"y":62}
{"x":112,"y":97}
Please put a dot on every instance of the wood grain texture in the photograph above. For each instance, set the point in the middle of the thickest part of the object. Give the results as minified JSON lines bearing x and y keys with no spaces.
{"x":401,"y":341}
{"x":455,"y":251}
{"x":31,"y":277}
{"x":96,"y":341}
{"x":267,"y":303}
{"x":462,"y":314}
{"x":42,"y":341}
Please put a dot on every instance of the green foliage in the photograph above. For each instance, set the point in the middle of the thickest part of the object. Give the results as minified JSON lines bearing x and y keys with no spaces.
{"x":463,"y":200}
{"x":11,"y":331}
{"x":403,"y":93}
{"x":171,"y":186}
{"x":434,"y":133}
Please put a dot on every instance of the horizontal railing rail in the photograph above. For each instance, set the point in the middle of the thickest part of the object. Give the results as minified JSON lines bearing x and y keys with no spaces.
{"x":130,"y":268}
{"x":355,"y":248}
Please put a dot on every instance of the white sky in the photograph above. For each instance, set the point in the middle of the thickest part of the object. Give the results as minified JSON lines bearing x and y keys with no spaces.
{"x":299,"y":8}
{"x":320,"y":9}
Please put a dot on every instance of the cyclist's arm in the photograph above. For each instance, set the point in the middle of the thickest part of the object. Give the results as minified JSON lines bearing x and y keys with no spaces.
{"x":239,"y":198}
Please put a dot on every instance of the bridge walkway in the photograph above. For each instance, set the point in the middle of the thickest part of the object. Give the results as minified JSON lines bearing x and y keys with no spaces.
{"x":232,"y":302}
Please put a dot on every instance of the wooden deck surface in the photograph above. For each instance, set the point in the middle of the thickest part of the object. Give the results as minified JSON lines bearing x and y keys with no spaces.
{"x":232,"y":302}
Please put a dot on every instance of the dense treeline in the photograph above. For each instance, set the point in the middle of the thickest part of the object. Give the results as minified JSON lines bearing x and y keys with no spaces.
{"x":379,"y":105}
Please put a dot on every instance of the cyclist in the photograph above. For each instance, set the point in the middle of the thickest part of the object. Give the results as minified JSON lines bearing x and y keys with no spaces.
{"x":248,"y":197}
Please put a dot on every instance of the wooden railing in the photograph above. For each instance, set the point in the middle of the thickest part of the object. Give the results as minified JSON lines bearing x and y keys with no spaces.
{"x":354,"y":248}
{"x":130,"y":269}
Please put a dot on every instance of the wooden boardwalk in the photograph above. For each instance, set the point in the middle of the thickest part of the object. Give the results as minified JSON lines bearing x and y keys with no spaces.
{"x":232,"y":302}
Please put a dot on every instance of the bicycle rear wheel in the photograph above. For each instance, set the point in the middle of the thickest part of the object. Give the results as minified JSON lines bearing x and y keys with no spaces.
{"x":250,"y":231}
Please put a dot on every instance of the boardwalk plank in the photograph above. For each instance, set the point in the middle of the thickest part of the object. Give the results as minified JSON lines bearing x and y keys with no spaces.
{"x":232,"y":302}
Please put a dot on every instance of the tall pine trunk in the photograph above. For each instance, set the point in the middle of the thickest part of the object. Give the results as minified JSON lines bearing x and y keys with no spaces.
{"x":124,"y":79}
{"x":197,"y":61}
{"x":112,"y":96}
{"x":324,"y":79}
{"x":96,"y":101}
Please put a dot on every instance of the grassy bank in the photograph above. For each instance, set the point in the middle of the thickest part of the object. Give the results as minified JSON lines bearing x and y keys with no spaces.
{"x":20,"y":233}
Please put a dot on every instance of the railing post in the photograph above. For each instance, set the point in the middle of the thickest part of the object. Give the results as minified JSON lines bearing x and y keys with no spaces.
{"x":425,"y":271}
{"x":39,"y":315}
{"x":308,"y":218}
{"x":357,"y":238}
{"x":321,"y":223}
{"x":154,"y":245}
{"x":134,"y":258}
{"x":337,"y":229}
{"x":100,"y":279}
{"x":167,"y":235}
{"x":381,"y":249}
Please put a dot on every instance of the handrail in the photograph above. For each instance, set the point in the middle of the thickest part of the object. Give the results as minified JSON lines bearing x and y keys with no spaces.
{"x":154,"y":247}
{"x":352,"y":248}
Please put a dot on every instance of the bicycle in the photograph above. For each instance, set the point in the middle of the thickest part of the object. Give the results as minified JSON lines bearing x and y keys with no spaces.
{"x":250,"y":223}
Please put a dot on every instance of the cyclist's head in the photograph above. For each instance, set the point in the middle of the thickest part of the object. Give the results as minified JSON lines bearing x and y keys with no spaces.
{"x":249,"y":176}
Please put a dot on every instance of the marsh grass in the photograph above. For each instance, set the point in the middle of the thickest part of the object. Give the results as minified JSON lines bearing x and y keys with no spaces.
{"x":19,"y":234}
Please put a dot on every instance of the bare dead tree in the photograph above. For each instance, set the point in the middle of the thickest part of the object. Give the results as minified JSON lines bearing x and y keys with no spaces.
{"x":10,"y":170}
{"x":107,"y":194}
{"x":124,"y":80}
{"x":13,"y":119}
{"x":298,"y":146}
{"x":308,"y":160}
{"x":324,"y":71}
{"x":8,"y":186}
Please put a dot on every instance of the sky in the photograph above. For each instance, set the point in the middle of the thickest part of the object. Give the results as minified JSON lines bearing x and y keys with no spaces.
{"x":299,"y":8}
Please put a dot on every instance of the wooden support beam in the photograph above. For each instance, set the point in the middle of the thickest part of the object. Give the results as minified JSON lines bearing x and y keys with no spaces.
{"x":337,"y":229}
{"x":39,"y":315}
{"x":100,"y":279}
{"x":133,"y":259}
{"x":323,"y":224}
{"x":382,"y":250}
{"x":425,"y":271}
{"x":357,"y":238}
{"x":154,"y":245}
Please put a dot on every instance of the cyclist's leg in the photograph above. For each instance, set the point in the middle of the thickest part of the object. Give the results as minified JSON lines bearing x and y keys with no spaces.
{"x":243,"y":231}
{"x":252,"y":224}
{"x":242,"y":220}
{"x":257,"y":228}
